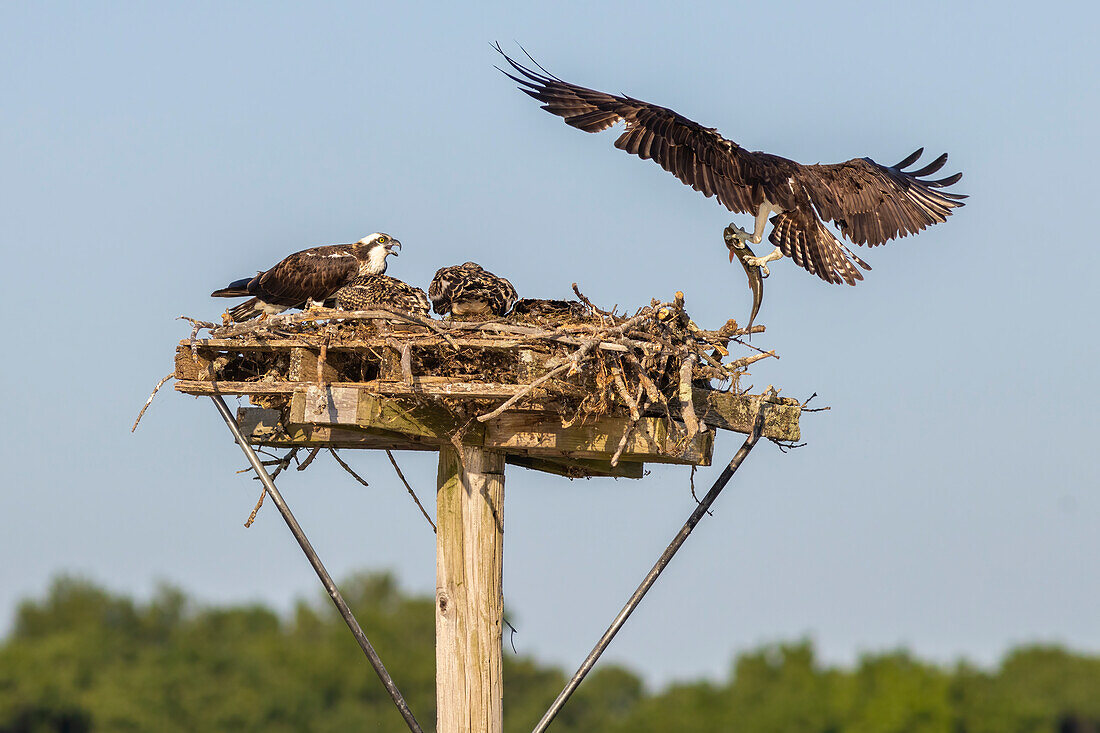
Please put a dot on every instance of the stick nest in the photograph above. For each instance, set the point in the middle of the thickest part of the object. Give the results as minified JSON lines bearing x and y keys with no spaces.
{"x":580,"y":361}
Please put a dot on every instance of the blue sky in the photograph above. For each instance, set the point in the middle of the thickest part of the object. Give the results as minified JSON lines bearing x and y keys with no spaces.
{"x":947,"y":503}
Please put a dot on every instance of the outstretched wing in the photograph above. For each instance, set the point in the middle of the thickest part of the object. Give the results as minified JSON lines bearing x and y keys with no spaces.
{"x":873,"y":203}
{"x":313,"y":273}
{"x":697,"y":155}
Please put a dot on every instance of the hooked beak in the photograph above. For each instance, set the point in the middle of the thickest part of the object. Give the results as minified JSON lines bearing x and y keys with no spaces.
{"x":391,"y":245}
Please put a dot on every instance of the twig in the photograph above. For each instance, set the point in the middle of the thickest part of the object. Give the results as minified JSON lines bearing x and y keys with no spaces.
{"x":400,"y":475}
{"x":512,"y":635}
{"x":280,"y":464}
{"x":256,"y":509}
{"x":406,"y":364}
{"x":150,"y":400}
{"x":813,"y":409}
{"x":691,"y":481}
{"x":687,"y":406}
{"x":746,"y":360}
{"x":786,"y":446}
{"x":636,"y":415}
{"x":347,"y":468}
{"x":590,"y":304}
{"x":524,"y":392}
{"x":755,"y":348}
{"x":405,"y":350}
{"x":624,"y":394}
{"x":309,"y":459}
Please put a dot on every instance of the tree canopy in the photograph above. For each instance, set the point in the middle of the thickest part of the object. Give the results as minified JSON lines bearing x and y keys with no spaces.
{"x":85,"y":659}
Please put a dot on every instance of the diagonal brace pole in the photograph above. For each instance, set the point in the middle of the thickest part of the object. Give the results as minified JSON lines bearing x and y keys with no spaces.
{"x":658,"y":568}
{"x":315,"y":561}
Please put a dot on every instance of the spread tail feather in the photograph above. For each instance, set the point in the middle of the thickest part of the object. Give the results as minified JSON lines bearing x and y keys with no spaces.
{"x":246,"y":310}
{"x":805,"y":239}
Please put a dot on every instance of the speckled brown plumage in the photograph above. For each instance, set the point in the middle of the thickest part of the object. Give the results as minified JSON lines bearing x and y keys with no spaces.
{"x":370,"y":290}
{"x":542,"y":308}
{"x":469,"y":289}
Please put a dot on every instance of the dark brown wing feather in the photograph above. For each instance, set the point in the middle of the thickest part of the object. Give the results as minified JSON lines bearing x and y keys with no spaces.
{"x":315,"y":273}
{"x":800,"y":235}
{"x":697,"y":155}
{"x":873,"y":203}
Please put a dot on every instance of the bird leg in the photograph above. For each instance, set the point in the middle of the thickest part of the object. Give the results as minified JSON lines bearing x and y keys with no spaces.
{"x":736,"y":237}
{"x":762,"y":262}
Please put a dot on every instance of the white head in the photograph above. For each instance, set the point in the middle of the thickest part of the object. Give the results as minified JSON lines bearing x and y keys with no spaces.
{"x":378,"y":247}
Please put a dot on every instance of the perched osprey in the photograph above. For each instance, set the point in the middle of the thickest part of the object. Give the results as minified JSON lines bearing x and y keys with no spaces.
{"x":309,"y":277}
{"x":369,"y":290}
{"x":869,"y":202}
{"x":468,"y":289}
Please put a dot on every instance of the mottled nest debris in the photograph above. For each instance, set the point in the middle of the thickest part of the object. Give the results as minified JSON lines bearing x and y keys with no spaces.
{"x":582,"y":362}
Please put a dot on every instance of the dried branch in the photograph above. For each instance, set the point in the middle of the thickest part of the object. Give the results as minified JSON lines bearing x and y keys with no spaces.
{"x":150,"y":400}
{"x":280,"y":465}
{"x":400,"y":475}
{"x":691,"y":482}
{"x":309,"y":459}
{"x":347,"y":468}
{"x":687,"y":405}
{"x":584,"y":299}
{"x":744,"y":361}
{"x":524,"y":392}
{"x":636,"y":412}
{"x":256,"y":509}
{"x":813,"y":409}
{"x":786,"y":446}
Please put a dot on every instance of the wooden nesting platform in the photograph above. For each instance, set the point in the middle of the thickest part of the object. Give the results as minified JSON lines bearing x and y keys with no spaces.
{"x":589,"y":394}
{"x":383,"y":385}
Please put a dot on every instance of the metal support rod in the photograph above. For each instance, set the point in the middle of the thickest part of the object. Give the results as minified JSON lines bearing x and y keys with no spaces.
{"x":651,"y":578}
{"x":315,"y":561}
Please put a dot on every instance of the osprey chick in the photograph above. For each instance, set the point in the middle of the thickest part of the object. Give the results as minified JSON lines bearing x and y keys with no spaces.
{"x":543,"y":308}
{"x":870,"y":203}
{"x":468,"y":289}
{"x":370,"y":290}
{"x":309,"y":277}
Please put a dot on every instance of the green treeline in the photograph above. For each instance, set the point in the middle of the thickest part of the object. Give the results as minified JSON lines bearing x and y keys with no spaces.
{"x":84,"y":659}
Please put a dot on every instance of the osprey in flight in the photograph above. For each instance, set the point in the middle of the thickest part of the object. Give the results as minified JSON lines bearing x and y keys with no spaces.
{"x":469,"y":289}
{"x":309,"y":277}
{"x":870,"y":203}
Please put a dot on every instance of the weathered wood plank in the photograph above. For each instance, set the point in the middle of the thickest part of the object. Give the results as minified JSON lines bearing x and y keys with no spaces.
{"x":263,"y":427}
{"x":469,"y":608}
{"x":365,"y":411}
{"x":577,"y":467}
{"x":205,"y":389}
{"x":525,"y":432}
{"x":191,"y":365}
{"x":331,"y":405}
{"x":418,"y":340}
{"x":540,"y":433}
{"x":303,"y":366}
{"x":420,"y":385}
{"x":737,"y":413}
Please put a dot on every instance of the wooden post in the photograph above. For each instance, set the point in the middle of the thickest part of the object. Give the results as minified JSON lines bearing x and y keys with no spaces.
{"x":469,"y":609}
